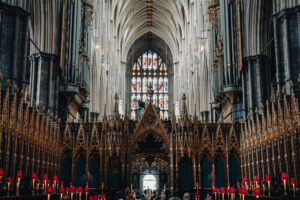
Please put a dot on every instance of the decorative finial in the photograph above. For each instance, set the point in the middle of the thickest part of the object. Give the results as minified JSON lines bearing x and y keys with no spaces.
{"x":116,"y":107}
{"x":183,"y":97}
{"x":272,"y":98}
{"x":8,"y":83}
{"x":28,"y":98}
{"x":22,"y":93}
{"x":277,"y":95}
{"x":184,"y":108}
{"x":283,"y":90}
{"x":116,"y":96}
{"x":291,"y":84}
{"x":16,"y":89}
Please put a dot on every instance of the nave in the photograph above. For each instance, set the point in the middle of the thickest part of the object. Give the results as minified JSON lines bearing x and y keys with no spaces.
{"x":149,"y":99}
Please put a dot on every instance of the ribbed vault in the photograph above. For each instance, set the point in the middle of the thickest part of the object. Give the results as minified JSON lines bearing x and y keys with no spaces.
{"x":149,"y":42}
{"x":136,"y":21}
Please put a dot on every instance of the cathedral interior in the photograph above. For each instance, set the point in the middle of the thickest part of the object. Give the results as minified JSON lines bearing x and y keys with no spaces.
{"x":149,"y":99}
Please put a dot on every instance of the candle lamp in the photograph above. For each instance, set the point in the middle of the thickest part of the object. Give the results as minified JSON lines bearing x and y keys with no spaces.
{"x":293,"y":182}
{"x":252,"y":185}
{"x":61,"y":192}
{"x":19,"y":176}
{"x":53,"y":184}
{"x":49,"y":192}
{"x":57,"y":185}
{"x":91,"y":198}
{"x":1,"y":174}
{"x":72,"y":191}
{"x":215,"y":191}
{"x":8,"y":185}
{"x":86,"y":190}
{"x":67,"y":190}
{"x":228,"y":193}
{"x":256,"y":181}
{"x":38,"y":182}
{"x":76,"y":192}
{"x":33,"y":176}
{"x":243,"y":192}
{"x":55,"y":178}
{"x":232,"y":192}
{"x":263,"y":186}
{"x":238,"y":184}
{"x":268,"y":179}
{"x":257,"y":192}
{"x":80,"y":190}
{"x":44,"y":184}
{"x":102,"y":185}
{"x":228,"y":187}
{"x":284,"y":178}
{"x":223,"y":193}
{"x":246,"y":182}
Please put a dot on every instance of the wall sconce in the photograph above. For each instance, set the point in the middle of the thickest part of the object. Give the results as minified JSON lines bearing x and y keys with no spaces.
{"x":202,"y":48}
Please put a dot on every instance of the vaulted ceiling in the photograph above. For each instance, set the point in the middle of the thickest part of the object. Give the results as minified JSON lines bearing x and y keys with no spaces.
{"x":154,"y":24}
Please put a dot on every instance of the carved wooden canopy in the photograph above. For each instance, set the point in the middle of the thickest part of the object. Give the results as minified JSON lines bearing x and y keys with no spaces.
{"x":150,"y":123}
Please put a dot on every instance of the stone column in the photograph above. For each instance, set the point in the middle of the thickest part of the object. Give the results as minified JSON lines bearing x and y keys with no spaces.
{"x":171,"y":166}
{"x":43,"y":80}
{"x":13,"y":43}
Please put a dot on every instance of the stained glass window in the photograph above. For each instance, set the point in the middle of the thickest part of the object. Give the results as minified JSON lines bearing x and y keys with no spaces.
{"x":150,"y":68}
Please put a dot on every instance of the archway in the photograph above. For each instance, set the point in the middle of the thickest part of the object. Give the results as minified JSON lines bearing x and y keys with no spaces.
{"x":80,"y":176}
{"x":149,"y":166}
{"x":66,"y":165}
{"x":94,"y":173}
{"x":219,"y":172}
{"x":186,"y":173}
{"x":149,"y":150}
{"x":149,"y":182}
{"x":205,"y":172}
{"x":233,"y":170}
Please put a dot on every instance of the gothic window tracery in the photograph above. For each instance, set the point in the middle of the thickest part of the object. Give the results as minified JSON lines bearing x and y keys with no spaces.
{"x":149,"y":68}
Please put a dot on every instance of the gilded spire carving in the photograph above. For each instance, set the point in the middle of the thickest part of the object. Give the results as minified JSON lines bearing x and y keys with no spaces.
{"x":233,"y":140}
{"x":219,"y":142}
{"x":80,"y":140}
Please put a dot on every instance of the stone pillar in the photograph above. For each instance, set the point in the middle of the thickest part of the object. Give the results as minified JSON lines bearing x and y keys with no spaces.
{"x":256,"y":82}
{"x":44,"y":80}
{"x":286,"y":24}
{"x":13,"y":43}
{"x":171,"y":166}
